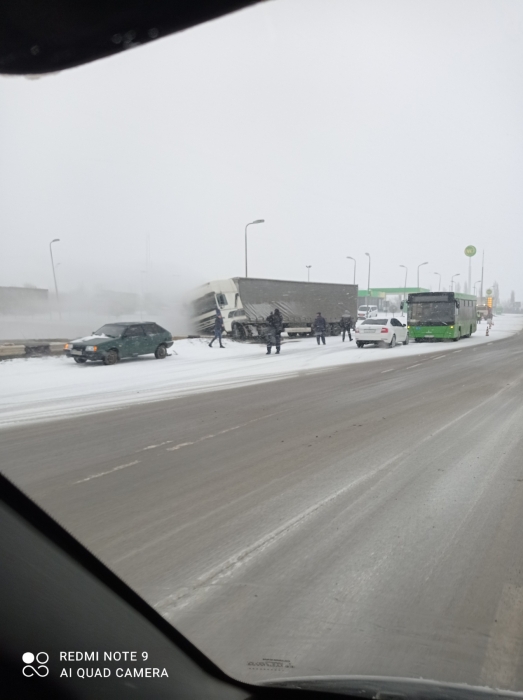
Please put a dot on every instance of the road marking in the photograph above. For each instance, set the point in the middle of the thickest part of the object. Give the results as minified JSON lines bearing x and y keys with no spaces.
{"x":439,"y":357}
{"x":503,"y":649}
{"x":153,"y":447}
{"x":220,"y":432}
{"x":95,"y":476}
{"x":416,"y":365}
{"x":457,"y":351}
{"x":388,"y":370}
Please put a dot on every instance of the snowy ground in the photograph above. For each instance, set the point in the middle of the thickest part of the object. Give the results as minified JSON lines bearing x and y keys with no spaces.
{"x":44,"y":388}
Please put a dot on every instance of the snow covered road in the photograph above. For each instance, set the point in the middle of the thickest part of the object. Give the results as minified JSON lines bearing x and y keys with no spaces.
{"x":45,"y":388}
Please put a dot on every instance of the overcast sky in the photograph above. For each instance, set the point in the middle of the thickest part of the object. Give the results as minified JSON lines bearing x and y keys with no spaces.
{"x":392,"y":127}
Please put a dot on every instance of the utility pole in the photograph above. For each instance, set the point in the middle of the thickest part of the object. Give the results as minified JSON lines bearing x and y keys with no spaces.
{"x":55,"y":240}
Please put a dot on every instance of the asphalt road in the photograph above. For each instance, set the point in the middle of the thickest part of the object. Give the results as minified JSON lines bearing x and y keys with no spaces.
{"x":361,"y":520}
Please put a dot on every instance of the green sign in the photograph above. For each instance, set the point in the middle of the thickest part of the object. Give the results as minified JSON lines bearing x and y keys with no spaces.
{"x":489,"y":292}
{"x":470,"y":251}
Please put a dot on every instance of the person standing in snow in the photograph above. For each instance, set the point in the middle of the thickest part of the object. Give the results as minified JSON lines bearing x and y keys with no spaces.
{"x":320,"y":326}
{"x":275,"y":327}
{"x":346,"y":325}
{"x":218,"y":329}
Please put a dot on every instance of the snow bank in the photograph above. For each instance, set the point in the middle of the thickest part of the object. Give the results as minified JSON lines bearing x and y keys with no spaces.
{"x":44,"y":388}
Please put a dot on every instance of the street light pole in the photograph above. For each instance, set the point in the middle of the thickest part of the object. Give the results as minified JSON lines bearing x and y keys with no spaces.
{"x":368,"y":289}
{"x":482,"y":269}
{"x":308,"y":272}
{"x":404,"y":287}
{"x":452,"y":281}
{"x":439,"y":283}
{"x":258,"y":221}
{"x":475,"y":283}
{"x":354,"y":260}
{"x":420,"y":265}
{"x":55,"y":240}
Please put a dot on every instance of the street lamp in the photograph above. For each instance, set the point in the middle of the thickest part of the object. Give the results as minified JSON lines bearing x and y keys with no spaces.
{"x":55,"y":240}
{"x":354,"y":260}
{"x":258,"y":221}
{"x":439,"y":283}
{"x":404,"y":287}
{"x":420,"y":265}
{"x":308,"y":272}
{"x":368,"y":289}
{"x":452,"y":281}
{"x":475,"y":283}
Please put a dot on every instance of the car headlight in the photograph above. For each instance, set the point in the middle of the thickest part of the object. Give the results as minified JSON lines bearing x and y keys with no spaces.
{"x":91,"y":348}
{"x":68,"y":346}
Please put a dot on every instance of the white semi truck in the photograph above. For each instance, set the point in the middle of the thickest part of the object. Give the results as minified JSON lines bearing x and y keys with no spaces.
{"x":245,"y":303}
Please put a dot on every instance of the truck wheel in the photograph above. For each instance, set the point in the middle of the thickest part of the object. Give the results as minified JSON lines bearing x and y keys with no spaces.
{"x":238,"y":331}
{"x":111,"y":358}
{"x":80,"y":360}
{"x":161,"y":352}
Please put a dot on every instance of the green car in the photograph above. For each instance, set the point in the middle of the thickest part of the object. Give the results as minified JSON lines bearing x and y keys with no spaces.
{"x":116,"y":341}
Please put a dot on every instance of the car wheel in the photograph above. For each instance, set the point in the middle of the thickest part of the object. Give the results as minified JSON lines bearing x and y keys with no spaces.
{"x":160,"y":352}
{"x":406,"y":341}
{"x":359,"y":344}
{"x":392,"y":343}
{"x":111,"y":358}
{"x":80,"y":360}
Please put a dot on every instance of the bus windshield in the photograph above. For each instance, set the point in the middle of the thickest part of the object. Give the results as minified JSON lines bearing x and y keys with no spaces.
{"x":439,"y":313}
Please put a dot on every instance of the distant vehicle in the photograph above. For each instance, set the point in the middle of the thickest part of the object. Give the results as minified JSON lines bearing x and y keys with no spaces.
{"x":116,"y":341}
{"x":435,"y":316}
{"x":245,"y":303}
{"x":381,"y":331}
{"x":367,"y":311}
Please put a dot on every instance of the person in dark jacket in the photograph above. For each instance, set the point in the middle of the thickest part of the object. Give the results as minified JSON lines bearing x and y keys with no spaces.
{"x":346,"y":325}
{"x":275,"y":327}
{"x":218,"y":329}
{"x":320,"y":326}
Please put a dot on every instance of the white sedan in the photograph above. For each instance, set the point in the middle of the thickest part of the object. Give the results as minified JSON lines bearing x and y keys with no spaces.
{"x":365,"y":311}
{"x":381,"y":331}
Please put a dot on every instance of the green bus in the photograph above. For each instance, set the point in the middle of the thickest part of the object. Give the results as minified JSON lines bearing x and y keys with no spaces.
{"x":435,"y":316}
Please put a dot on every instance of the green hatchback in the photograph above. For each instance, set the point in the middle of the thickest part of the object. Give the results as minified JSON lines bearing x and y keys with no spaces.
{"x":116,"y":341}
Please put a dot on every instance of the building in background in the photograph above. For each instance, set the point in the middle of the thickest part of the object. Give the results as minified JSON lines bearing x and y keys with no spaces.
{"x":26,"y":300}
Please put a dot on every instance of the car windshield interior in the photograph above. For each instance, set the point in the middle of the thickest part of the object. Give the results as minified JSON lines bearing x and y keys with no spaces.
{"x":299,"y":495}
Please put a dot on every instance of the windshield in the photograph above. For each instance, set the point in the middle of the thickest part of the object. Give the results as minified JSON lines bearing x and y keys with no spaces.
{"x":110,"y":331}
{"x":432,"y":313}
{"x":297,"y":497}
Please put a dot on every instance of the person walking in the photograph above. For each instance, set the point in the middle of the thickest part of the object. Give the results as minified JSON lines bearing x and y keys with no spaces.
{"x":275,"y":328}
{"x":320,"y":326}
{"x":218,"y":329}
{"x":346,"y":325}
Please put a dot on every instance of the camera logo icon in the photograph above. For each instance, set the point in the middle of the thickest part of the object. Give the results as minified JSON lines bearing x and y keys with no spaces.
{"x":40,"y":659}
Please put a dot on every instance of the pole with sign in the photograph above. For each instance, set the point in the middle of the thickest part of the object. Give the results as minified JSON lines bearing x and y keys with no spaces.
{"x":470,"y":252}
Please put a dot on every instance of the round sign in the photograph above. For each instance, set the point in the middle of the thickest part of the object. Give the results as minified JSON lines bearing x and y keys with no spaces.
{"x":470,"y":251}
{"x":489,"y":292}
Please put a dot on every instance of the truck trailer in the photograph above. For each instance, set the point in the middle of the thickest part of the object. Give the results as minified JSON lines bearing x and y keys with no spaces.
{"x":245,"y":303}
